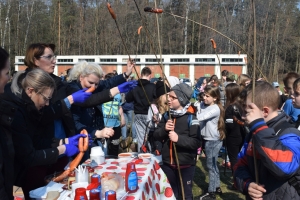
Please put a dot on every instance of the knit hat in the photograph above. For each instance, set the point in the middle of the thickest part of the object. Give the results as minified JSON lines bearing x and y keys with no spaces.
{"x":160,"y":88}
{"x":173,"y":81}
{"x":183,"y":93}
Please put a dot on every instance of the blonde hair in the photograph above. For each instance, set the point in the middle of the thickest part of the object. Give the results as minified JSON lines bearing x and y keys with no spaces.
{"x":39,"y":80}
{"x":161,"y":104}
{"x":84,"y":69}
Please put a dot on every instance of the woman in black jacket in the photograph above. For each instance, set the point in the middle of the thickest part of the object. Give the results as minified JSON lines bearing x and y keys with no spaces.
{"x":31,"y":148}
{"x":6,"y":146}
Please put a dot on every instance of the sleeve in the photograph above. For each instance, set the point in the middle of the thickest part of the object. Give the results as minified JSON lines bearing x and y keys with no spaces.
{"x":129,"y":96}
{"x":229,"y":122}
{"x":25,"y":152}
{"x":281,"y":155}
{"x":160,"y":132}
{"x":110,"y":83}
{"x":208,"y":113}
{"x":79,"y":126}
{"x":190,"y":141}
{"x":96,"y":99}
{"x":242,"y":176}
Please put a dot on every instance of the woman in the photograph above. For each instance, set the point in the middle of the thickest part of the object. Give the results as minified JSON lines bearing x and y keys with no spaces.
{"x":235,"y":134}
{"x":37,"y":90}
{"x":211,"y":118}
{"x":6,"y":145}
{"x":184,"y":134}
{"x":86,"y":75}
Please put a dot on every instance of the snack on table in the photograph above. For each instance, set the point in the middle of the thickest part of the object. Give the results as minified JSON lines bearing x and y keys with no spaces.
{"x":112,"y":181}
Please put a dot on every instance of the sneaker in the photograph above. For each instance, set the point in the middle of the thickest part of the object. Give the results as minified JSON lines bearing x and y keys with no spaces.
{"x":218,"y":191}
{"x":208,"y":196}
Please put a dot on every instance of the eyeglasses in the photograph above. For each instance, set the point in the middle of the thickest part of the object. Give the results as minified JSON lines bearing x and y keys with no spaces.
{"x":49,"y":57}
{"x":172,"y":98}
{"x":46,"y":99}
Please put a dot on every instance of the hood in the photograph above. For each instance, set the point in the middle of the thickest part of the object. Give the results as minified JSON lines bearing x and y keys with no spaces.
{"x":144,"y":82}
{"x":279,"y":118}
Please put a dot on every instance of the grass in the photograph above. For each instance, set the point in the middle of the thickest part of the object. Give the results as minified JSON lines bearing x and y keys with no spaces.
{"x":201,"y":182}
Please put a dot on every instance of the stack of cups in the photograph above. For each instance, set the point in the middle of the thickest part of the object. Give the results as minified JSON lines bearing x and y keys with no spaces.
{"x":97,"y":155}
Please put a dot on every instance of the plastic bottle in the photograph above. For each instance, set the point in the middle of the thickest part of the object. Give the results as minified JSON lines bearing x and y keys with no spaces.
{"x":80,"y":194}
{"x":131,"y":178}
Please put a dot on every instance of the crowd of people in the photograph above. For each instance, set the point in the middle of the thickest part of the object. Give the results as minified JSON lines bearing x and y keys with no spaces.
{"x":42,"y":116}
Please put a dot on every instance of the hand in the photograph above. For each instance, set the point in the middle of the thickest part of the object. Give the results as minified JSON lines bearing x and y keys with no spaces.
{"x":252,"y":113}
{"x":107,"y":132}
{"x":81,"y":96}
{"x":123,"y":121}
{"x":130,"y":65}
{"x":173,"y":136}
{"x":256,"y":191}
{"x":127,"y":86}
{"x":169,"y":125}
{"x":74,"y":139}
{"x":71,"y":150}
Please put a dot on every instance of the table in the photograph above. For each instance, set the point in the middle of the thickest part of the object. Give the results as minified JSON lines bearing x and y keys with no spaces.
{"x":153,"y":183}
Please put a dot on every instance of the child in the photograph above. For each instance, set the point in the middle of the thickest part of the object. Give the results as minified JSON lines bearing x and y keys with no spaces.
{"x":212,"y":127}
{"x":159,"y":107}
{"x":276,"y":144}
{"x":183,"y":133}
{"x":113,"y":118}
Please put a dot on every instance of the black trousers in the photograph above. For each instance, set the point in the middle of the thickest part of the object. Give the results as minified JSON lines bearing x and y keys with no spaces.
{"x":187,"y":175}
{"x":234,"y":146}
{"x":114,"y":149}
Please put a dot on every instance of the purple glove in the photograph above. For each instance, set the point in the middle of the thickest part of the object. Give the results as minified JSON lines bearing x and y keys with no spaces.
{"x":74,"y":139}
{"x":71,"y":150}
{"x":81,"y":96}
{"x":127,"y":86}
{"x":90,"y":140}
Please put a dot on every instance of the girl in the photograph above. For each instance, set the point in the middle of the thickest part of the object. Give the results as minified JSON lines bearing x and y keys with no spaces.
{"x":243,"y":80}
{"x":181,"y":131}
{"x":213,"y":132}
{"x":159,"y":107}
{"x":235,"y":134}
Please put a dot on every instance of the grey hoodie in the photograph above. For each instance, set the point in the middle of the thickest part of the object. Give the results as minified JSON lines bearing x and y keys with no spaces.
{"x":208,"y":117}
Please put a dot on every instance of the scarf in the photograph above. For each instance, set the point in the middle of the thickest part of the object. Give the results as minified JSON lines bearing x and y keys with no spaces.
{"x":178,"y":113}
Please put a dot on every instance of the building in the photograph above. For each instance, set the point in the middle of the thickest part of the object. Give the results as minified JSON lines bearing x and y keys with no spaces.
{"x":190,"y":66}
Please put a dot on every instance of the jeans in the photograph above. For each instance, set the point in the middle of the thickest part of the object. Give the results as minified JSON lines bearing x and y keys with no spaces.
{"x":140,"y":122}
{"x":212,"y":148}
{"x":128,"y":120}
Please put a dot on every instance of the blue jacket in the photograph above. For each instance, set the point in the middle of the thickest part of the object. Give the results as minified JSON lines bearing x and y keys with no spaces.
{"x":278,"y":159}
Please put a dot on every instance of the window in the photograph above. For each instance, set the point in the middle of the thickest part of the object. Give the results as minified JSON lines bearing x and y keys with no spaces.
{"x":180,"y":60}
{"x":205,"y":60}
{"x":87,"y":60}
{"x":134,"y":59}
{"x":64,"y":60}
{"x":108,"y":60}
{"x":232,"y":60}
{"x":153,"y":60}
{"x":20,"y":60}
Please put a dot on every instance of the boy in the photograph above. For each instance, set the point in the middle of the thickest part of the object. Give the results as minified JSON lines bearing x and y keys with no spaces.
{"x":276,"y":145}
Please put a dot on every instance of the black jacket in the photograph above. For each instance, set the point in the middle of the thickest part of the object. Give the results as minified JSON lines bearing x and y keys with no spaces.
{"x":187,"y":144}
{"x":31,"y":147}
{"x":138,"y":97}
{"x":7,"y":152}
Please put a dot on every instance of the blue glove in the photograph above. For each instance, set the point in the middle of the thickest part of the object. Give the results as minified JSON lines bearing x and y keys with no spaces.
{"x":90,"y":140}
{"x":74,"y":139}
{"x":127,"y":86}
{"x":81,"y":96}
{"x":71,"y":150}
